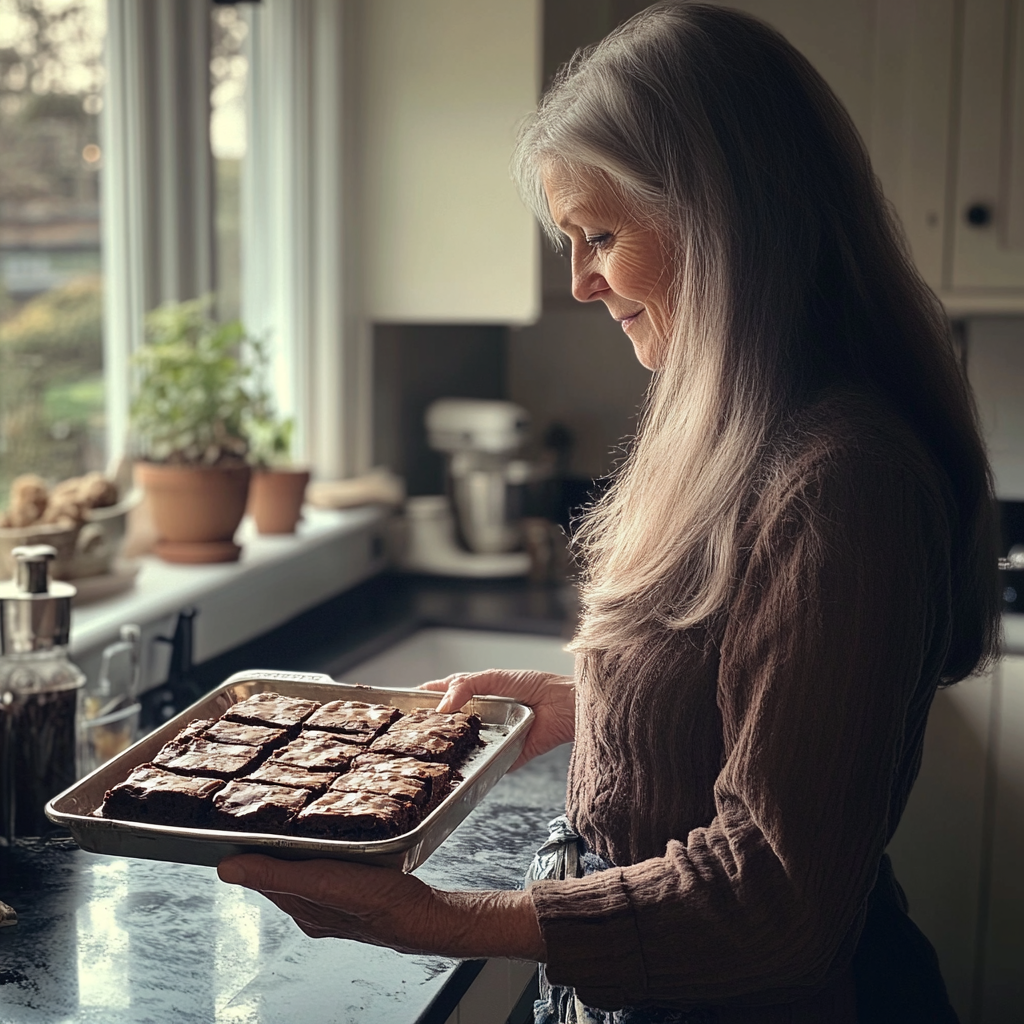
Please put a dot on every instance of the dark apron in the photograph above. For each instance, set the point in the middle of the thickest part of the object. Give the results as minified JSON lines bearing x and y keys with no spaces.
{"x":895,"y":967}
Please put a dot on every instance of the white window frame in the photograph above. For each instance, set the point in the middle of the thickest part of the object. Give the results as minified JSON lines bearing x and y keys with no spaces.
{"x":300,"y":285}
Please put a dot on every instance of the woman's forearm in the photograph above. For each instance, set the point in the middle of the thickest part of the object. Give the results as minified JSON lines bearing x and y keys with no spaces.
{"x":489,"y":924}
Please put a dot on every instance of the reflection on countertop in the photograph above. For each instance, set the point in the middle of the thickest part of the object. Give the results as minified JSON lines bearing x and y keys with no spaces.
{"x":118,"y":941}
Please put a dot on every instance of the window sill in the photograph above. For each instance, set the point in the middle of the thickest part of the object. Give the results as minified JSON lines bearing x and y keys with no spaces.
{"x":275,"y":579}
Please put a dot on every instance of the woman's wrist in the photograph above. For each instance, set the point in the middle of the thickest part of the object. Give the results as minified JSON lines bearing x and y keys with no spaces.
{"x":493,"y":923}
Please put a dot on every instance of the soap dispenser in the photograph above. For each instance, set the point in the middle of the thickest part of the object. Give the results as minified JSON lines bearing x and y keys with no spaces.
{"x":39,"y":693}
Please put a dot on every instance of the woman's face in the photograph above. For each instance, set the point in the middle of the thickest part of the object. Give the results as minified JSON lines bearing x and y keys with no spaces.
{"x":615,"y":258}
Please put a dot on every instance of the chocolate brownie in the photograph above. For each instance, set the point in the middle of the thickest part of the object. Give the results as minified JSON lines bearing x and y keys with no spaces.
{"x":194,"y":729}
{"x":408,"y":789}
{"x":365,"y":817}
{"x":353,"y":718}
{"x":430,"y":736}
{"x":201,"y":757}
{"x":253,"y":807}
{"x":317,"y":751}
{"x":271,"y":709}
{"x":151,"y":794}
{"x":245,"y":734}
{"x":438,"y":777}
{"x":279,"y":773}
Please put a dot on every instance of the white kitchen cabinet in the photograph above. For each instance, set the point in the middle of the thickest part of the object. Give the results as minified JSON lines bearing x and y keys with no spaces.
{"x":1001,"y":989}
{"x":939,"y":850}
{"x":936,"y":88}
{"x":989,"y":184}
{"x":443,"y":85}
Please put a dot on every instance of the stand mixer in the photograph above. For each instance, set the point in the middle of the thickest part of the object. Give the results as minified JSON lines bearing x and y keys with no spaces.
{"x":475,"y":529}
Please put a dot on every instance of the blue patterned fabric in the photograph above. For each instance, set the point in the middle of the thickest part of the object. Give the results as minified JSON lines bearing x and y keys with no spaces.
{"x":563,"y":855}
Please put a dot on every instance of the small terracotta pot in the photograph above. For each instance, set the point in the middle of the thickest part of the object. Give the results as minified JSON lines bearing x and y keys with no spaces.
{"x":195,"y":509}
{"x":275,"y":499}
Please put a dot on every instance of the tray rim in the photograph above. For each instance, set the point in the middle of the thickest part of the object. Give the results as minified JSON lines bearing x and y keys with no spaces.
{"x":99,"y":835}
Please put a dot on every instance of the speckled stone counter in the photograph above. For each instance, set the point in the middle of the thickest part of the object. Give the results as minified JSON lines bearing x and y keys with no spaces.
{"x":107,"y":940}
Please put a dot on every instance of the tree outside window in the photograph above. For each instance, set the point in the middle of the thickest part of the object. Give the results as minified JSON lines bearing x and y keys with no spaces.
{"x":51,"y":332}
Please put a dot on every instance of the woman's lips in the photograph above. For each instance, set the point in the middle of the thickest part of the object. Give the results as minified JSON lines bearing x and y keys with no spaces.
{"x":627,"y":321}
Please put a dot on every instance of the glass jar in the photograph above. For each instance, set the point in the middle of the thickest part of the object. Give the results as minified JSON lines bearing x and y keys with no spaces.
{"x":39,"y":695}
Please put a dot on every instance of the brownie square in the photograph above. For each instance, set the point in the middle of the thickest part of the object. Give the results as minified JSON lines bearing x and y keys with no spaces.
{"x":430,"y":736}
{"x":194,"y":730}
{"x":201,"y":757}
{"x":153,"y":795}
{"x":279,"y":773}
{"x":437,"y":777}
{"x":408,"y":789}
{"x":245,"y":734}
{"x":317,"y":751}
{"x":357,"y":817}
{"x":353,"y":717}
{"x":271,"y":709}
{"x":254,"y":807}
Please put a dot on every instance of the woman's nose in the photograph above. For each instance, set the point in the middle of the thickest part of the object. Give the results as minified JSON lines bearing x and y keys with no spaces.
{"x":587,"y":283}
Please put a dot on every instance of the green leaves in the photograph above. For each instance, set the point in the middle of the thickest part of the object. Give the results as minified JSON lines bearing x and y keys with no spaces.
{"x":194,"y":387}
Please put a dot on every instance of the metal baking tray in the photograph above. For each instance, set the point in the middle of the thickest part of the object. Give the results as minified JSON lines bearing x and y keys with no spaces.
{"x":505,"y":724}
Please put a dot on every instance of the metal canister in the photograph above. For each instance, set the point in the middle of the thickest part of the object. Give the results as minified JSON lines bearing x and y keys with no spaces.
{"x":39,"y":693}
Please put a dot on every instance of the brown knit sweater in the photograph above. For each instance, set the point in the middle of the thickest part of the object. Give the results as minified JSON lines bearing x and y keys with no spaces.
{"x":745,"y":778}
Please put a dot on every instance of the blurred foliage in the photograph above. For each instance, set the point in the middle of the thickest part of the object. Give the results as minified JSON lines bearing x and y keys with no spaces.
{"x":192,"y":387}
{"x":51,"y":392}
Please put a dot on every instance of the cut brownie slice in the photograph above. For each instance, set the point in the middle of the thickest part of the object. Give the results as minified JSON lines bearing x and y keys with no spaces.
{"x":438,"y":777}
{"x":194,"y":729}
{"x":153,"y":795}
{"x":245,"y":734}
{"x":254,"y":807}
{"x":408,"y":789}
{"x":201,"y":757}
{"x":317,"y":751}
{"x":430,"y":736}
{"x":364,"y":817}
{"x":353,"y":718}
{"x":279,"y":773}
{"x":271,"y":709}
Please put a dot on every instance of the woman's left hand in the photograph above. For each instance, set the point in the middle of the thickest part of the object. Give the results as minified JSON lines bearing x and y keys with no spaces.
{"x":385,"y":907}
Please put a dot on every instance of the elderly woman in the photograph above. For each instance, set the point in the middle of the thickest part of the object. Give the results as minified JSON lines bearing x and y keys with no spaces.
{"x":797,"y":552}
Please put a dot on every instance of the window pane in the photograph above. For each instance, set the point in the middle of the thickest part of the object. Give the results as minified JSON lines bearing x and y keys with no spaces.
{"x":51,"y":330}
{"x":228,"y":79}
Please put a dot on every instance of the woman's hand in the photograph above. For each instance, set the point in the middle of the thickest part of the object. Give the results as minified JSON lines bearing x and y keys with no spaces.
{"x":552,"y":698}
{"x":385,"y":907}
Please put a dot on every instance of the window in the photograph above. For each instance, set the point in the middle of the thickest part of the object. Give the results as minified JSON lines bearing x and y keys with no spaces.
{"x":229,"y":71}
{"x":51,"y":289}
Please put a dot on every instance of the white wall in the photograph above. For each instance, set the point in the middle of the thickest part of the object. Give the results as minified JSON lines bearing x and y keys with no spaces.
{"x":995,"y":364}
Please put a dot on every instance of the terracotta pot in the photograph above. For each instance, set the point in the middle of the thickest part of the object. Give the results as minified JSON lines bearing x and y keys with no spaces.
{"x":195,"y":509}
{"x":275,"y":499}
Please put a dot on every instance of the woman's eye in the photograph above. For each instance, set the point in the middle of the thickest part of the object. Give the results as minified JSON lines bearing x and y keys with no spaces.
{"x":598,"y":241}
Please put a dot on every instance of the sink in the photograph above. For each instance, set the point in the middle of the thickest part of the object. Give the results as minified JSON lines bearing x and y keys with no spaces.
{"x":436,"y":653}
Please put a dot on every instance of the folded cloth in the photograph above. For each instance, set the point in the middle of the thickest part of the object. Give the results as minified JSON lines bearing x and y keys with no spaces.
{"x":378,"y":487}
{"x":565,"y":855}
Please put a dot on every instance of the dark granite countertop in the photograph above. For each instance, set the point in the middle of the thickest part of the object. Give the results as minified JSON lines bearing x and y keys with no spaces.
{"x":119,"y":941}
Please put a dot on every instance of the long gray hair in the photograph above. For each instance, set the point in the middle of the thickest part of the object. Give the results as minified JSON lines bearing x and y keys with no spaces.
{"x":791,"y":279}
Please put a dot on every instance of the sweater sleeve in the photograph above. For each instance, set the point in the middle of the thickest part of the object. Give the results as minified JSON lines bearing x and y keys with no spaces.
{"x":829,"y":661}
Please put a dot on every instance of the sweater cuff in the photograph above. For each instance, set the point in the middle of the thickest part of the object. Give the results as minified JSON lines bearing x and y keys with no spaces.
{"x":593,"y":945}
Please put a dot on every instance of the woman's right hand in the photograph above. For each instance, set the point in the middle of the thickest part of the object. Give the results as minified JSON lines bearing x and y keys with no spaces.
{"x":552,"y":698}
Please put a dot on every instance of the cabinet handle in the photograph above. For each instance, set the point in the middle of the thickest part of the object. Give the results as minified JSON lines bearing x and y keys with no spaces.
{"x":979,"y":215}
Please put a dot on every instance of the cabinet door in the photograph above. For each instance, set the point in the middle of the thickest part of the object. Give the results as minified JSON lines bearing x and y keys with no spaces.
{"x":988,"y":213}
{"x":938,"y":850}
{"x":444,"y":84}
{"x":891,"y":64}
{"x":1002,"y":990}
{"x":908,"y":133}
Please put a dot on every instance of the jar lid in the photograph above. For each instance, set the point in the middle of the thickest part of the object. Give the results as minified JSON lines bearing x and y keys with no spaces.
{"x":35,"y":612}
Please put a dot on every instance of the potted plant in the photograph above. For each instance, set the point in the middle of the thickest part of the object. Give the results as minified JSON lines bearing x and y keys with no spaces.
{"x":192,"y":395}
{"x":278,"y":488}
